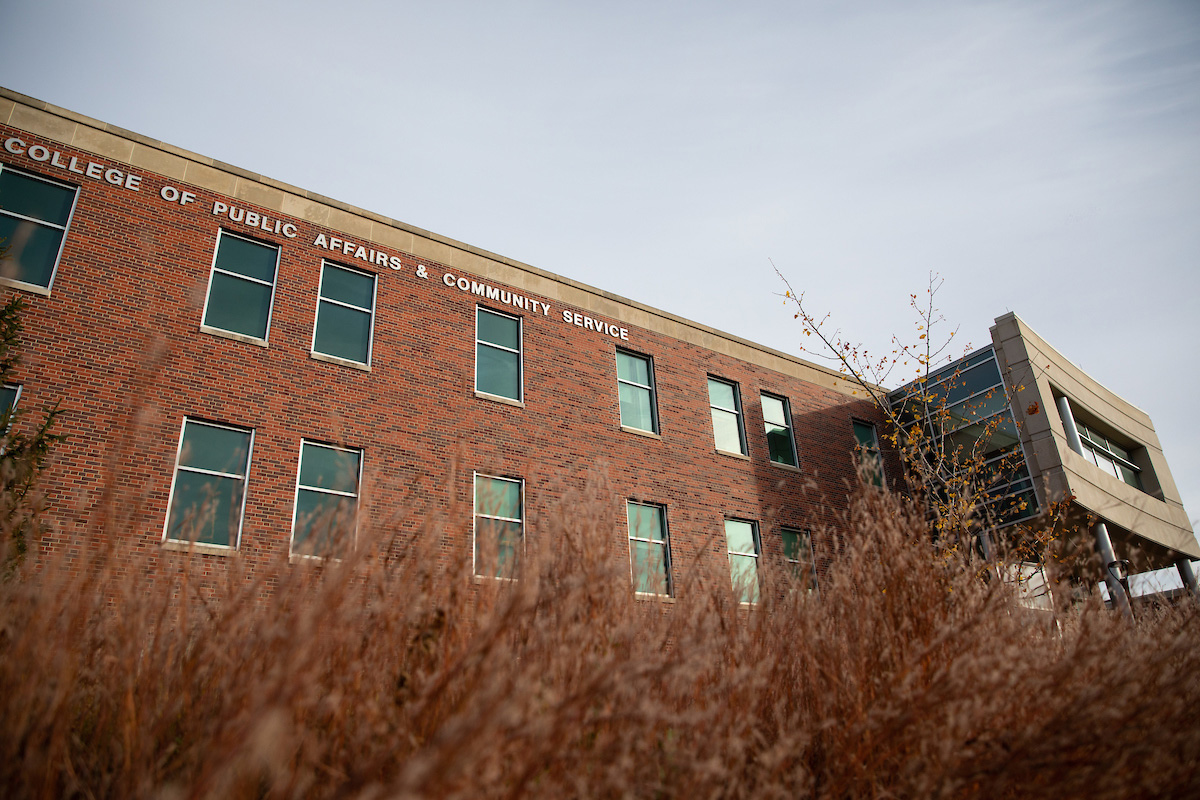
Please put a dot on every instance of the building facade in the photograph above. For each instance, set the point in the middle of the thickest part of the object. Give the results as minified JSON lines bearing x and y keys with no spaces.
{"x":247,"y":368}
{"x":1054,"y":436}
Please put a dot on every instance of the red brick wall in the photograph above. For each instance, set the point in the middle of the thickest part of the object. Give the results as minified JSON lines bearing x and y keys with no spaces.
{"x":118,"y":345}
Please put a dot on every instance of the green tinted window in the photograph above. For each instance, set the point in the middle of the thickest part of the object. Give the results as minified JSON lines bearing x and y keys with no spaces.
{"x":37,"y":199}
{"x":740,"y":536}
{"x":727,"y":431}
{"x":244,"y":257}
{"x":33,"y":221}
{"x":635,"y":392}
{"x":726,"y":416}
{"x":205,"y":509}
{"x":345,"y":314}
{"x":636,"y":409}
{"x":346,"y":286}
{"x":242,"y":287}
{"x":649,"y":553}
{"x":743,"y":573}
{"x":497,"y":497}
{"x":721,"y":395}
{"x":497,"y":548}
{"x":779,"y":443}
{"x":499,"y":330}
{"x":214,"y":449}
{"x":777,"y":419}
{"x":8,"y":399}
{"x":864,"y":434}
{"x":498,"y":526}
{"x":633,"y":369}
{"x":210,"y":482}
{"x":498,"y":355}
{"x":742,"y":543}
{"x":498,"y":372}
{"x":795,"y":545}
{"x":32,"y":251}
{"x":329,"y":468}
{"x":797,"y":549}
{"x":645,"y":522}
{"x":649,"y":565}
{"x":326,"y":500}
{"x":324,"y":524}
{"x":773,"y":411}
{"x":343,"y":332}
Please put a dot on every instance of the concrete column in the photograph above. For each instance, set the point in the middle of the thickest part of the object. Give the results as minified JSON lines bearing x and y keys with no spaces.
{"x":1103,"y":543}
{"x":1068,"y":420}
{"x":1184,"y":567}
{"x":1115,"y":590}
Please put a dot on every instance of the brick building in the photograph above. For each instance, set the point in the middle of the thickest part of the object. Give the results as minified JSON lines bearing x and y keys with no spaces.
{"x":255,"y":369}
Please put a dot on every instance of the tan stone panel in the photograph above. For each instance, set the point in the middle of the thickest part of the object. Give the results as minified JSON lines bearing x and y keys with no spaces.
{"x":210,"y":178}
{"x":389,"y":236}
{"x":102,"y":143}
{"x":259,"y":195}
{"x":731,"y":348}
{"x":503,"y":272}
{"x":661,"y":324}
{"x":6,"y":109}
{"x":42,"y":123}
{"x":541,"y":286}
{"x":572,"y":296}
{"x":305,"y":209}
{"x":350,"y":224}
{"x":472,"y":264}
{"x":1136,"y":511}
{"x":601,"y":305}
{"x":635,"y":317}
{"x":432,"y":250}
{"x":155,"y":160}
{"x":186,"y":155}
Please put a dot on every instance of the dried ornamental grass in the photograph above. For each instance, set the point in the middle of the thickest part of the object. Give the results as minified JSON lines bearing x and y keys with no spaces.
{"x":383,"y":675}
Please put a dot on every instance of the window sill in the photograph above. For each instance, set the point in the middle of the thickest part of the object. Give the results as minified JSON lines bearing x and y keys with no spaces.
{"x":649,"y":596}
{"x":237,"y":337}
{"x":640,"y":432}
{"x":177,"y":546}
{"x":32,"y":288}
{"x":345,"y":362}
{"x":733,"y":455}
{"x":301,"y":558}
{"x":508,"y":401}
{"x":787,"y":467}
{"x":481,"y":579}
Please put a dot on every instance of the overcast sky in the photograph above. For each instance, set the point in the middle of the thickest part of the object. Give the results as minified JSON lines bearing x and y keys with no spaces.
{"x":1043,"y":157}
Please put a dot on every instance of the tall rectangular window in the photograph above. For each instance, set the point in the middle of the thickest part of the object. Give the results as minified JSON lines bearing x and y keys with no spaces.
{"x":777,"y":417}
{"x":797,"y":549}
{"x":34,"y":216}
{"x":241,"y":288}
{"x":208,"y":496}
{"x":726,"y":404}
{"x":345,"y":314}
{"x":635,"y":391}
{"x":649,"y":551}
{"x":324,"y":520}
{"x":742,"y":539}
{"x":499,"y":526}
{"x":497,"y":354}
{"x":868,"y":451}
